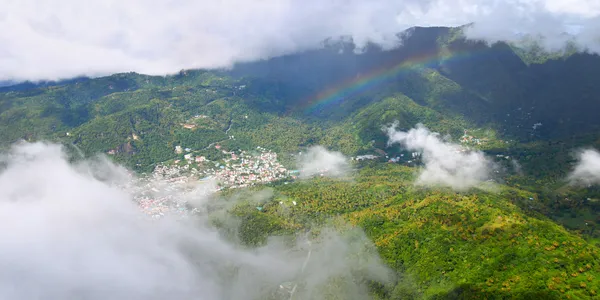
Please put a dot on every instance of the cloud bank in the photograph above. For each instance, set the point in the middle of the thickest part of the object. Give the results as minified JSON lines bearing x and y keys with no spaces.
{"x":70,"y":232}
{"x":62,"y":39}
{"x":445,"y":164}
{"x":320,"y":161}
{"x":587,"y":169}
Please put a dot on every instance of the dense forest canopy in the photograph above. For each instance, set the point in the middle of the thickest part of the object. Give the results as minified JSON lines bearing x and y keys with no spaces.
{"x":526,"y":110}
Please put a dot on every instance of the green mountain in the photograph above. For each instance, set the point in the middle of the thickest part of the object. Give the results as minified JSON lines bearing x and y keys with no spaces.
{"x":523,"y":241}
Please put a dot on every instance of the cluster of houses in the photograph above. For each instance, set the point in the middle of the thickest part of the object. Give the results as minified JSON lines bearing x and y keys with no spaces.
{"x":191,"y":124}
{"x":161,"y":194}
{"x":233,"y":170}
{"x":471,"y":140}
{"x":364,"y":157}
{"x":243,"y":169}
{"x":412,"y":157}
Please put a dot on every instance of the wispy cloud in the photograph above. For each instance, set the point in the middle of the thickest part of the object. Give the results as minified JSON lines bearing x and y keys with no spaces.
{"x":587,"y":169}
{"x":445,"y":164}
{"x":61,"y":39}
{"x":74,"y":232}
{"x":318,"y":160}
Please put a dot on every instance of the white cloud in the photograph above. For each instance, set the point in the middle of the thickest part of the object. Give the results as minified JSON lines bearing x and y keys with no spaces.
{"x":68,"y":235}
{"x":587,"y":170}
{"x":446,"y":164}
{"x":60,"y":39}
{"x":546,"y":20}
{"x":584,"y":8}
{"x":318,"y":160}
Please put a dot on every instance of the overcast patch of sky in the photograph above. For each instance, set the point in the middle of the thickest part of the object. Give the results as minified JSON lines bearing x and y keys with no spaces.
{"x":54,"y":39}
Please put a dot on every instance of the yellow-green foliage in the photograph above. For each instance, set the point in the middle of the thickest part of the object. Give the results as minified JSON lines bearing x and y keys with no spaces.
{"x":481,"y":242}
{"x":281,"y":134}
{"x":339,"y":138}
{"x":473,"y":245}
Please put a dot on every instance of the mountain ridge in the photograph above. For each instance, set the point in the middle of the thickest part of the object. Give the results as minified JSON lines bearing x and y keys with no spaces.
{"x":531,"y":108}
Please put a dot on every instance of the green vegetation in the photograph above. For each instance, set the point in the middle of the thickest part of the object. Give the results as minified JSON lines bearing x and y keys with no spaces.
{"x":467,"y":245}
{"x":510,"y":243}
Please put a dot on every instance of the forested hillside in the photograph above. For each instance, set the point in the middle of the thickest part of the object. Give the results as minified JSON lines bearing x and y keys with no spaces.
{"x":445,"y":245}
{"x":533,"y":237}
{"x":501,"y":87}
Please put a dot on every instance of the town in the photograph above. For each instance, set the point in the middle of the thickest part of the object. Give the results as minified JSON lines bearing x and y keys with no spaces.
{"x":234,"y":169}
{"x":163,"y":192}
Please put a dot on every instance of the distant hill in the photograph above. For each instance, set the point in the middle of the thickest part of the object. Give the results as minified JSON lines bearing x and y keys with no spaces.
{"x":512,"y":87}
{"x":533,"y":106}
{"x":332,"y":96}
{"x":11,"y":85}
{"x":4,"y":83}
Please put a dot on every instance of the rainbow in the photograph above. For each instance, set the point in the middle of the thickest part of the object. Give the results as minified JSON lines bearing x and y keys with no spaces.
{"x":352,"y":86}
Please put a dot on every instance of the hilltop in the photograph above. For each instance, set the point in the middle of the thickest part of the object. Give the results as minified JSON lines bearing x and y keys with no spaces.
{"x":248,"y":125}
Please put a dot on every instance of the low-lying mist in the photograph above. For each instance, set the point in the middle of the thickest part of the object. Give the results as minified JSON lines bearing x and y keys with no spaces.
{"x":75,"y":231}
{"x":320,"y":161}
{"x":445,"y":163}
{"x":587,"y":170}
